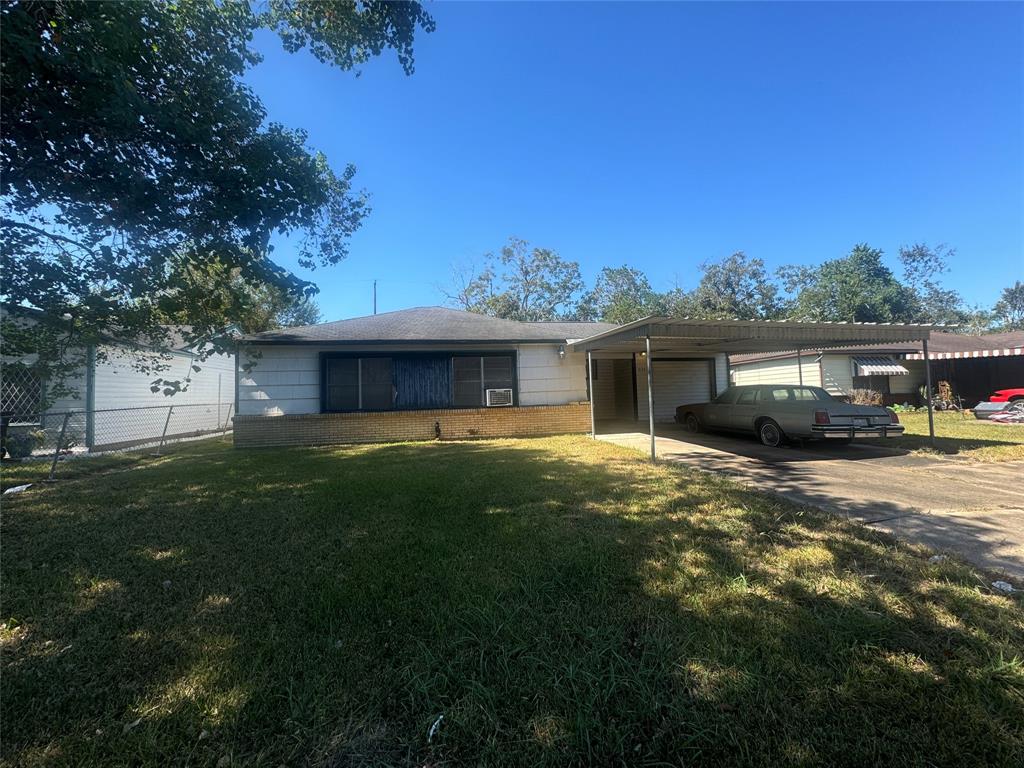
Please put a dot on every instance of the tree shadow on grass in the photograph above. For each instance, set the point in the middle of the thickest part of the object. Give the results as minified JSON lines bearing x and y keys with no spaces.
{"x":558,"y":601}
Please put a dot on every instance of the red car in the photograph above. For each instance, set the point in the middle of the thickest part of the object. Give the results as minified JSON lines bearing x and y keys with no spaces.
{"x":1007,"y":395}
{"x":1002,"y":401}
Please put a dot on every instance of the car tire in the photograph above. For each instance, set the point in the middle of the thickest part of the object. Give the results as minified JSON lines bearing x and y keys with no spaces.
{"x":770,"y":434}
{"x":691,"y":422}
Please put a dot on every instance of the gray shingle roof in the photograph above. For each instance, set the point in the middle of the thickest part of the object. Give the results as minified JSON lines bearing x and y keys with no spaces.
{"x":422,"y":325}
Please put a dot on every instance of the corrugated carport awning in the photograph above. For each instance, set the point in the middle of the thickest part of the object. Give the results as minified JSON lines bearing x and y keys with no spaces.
{"x":663,"y":337}
{"x":736,"y":336}
{"x":878,"y":366}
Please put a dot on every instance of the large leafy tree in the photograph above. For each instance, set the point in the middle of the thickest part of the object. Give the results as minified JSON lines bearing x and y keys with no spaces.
{"x":223,"y":297}
{"x":737,"y":286}
{"x":923,"y":268}
{"x":129,"y":138}
{"x":620,"y":295}
{"x":855,"y":288}
{"x":1008,"y":312}
{"x":520,"y":283}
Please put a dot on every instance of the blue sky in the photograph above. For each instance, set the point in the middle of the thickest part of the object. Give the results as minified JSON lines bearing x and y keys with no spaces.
{"x":661,"y":135}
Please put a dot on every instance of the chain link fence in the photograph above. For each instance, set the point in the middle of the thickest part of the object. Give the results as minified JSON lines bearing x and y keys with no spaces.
{"x":56,"y":435}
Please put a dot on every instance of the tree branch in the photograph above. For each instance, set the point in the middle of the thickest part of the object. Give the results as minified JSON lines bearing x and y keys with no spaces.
{"x":5,"y":222}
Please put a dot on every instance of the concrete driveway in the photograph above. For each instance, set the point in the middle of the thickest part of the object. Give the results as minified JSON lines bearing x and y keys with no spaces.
{"x":975,"y":510}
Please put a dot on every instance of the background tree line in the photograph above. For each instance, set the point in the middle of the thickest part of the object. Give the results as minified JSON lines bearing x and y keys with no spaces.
{"x":524,"y":283}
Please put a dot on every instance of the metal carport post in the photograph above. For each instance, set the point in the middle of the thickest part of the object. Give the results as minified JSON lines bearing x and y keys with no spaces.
{"x":650,"y":397}
{"x":928,"y":395}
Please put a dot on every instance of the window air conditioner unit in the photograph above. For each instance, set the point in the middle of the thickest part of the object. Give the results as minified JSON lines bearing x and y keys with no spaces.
{"x":499,"y":397}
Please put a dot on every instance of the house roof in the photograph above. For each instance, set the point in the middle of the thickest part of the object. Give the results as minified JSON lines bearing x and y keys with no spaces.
{"x":940,"y":343}
{"x":424,"y":325}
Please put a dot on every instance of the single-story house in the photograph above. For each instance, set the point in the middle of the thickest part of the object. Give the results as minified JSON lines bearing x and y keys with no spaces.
{"x":413,"y":374}
{"x":111,"y":401}
{"x":975,"y":366}
{"x":437,"y":372}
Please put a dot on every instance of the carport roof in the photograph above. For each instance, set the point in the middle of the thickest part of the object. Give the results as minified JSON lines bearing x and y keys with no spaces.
{"x":733,"y":336}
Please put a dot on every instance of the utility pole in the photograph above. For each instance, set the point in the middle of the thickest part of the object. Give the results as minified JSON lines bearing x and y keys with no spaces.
{"x":375,"y":297}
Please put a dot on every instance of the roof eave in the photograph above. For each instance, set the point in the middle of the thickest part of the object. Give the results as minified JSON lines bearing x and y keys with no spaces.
{"x":393,"y":342}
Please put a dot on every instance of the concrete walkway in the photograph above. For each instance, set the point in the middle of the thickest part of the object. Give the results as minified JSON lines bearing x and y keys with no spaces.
{"x":975,"y":510}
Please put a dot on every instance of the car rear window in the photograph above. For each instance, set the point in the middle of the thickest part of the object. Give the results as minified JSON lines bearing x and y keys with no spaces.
{"x":796,"y":394}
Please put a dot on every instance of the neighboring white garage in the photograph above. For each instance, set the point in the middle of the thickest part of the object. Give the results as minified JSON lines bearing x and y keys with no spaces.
{"x":676,"y":382}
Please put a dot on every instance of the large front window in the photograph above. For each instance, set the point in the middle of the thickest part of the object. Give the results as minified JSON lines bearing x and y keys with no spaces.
{"x":359,"y":384}
{"x":413,"y":381}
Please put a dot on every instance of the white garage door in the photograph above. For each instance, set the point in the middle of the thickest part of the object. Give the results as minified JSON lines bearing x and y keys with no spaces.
{"x":677,"y":382}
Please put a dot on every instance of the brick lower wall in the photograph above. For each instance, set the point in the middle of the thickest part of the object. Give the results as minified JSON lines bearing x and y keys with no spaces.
{"x":393,"y":426}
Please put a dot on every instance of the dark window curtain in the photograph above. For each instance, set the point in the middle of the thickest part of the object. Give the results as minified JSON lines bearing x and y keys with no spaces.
{"x":498,"y":372}
{"x":414,"y":382}
{"x":423,"y":382}
{"x":467,"y":385}
{"x":342,"y":384}
{"x":378,"y":384}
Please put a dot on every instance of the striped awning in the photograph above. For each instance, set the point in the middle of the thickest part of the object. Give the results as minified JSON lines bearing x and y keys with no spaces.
{"x":878,"y":366}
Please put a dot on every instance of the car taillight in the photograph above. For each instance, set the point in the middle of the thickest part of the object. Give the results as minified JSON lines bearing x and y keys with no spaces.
{"x":822,"y":417}
{"x":893,"y":415}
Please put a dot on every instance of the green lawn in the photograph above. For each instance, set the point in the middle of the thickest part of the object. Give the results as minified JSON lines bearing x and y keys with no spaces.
{"x":963,"y":435}
{"x":560,"y":601}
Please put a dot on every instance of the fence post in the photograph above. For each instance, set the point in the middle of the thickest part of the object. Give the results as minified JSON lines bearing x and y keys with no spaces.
{"x":170,"y":410}
{"x":60,"y":442}
{"x":227,"y":419}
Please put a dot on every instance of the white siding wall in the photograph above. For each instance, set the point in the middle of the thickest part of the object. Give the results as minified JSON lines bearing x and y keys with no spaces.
{"x":286,"y":379}
{"x":838,"y":374}
{"x":120,"y":385}
{"x":547,"y":379}
{"x":128,"y":411}
{"x":283,"y":380}
{"x":837,"y":369}
{"x":909,"y":384}
{"x":783,"y":371}
{"x":74,"y":401}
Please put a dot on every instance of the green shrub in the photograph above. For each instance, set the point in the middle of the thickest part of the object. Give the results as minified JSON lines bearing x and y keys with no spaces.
{"x":21,"y":444}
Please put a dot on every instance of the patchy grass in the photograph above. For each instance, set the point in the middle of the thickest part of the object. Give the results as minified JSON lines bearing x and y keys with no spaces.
{"x":963,"y":435}
{"x":14,"y":473}
{"x":559,"y":601}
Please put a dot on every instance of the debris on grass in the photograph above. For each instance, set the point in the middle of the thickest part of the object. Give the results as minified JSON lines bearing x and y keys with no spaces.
{"x":937,"y":559}
{"x":434,"y":728}
{"x":18,"y":488}
{"x":167,"y":584}
{"x":1003,"y":586}
{"x":132,"y":725}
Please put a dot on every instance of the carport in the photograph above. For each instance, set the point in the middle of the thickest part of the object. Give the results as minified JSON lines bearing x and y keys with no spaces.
{"x":680,"y":349}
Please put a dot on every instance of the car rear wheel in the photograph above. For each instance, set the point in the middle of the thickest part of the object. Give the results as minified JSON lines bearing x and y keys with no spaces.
{"x":692,"y":423}
{"x":770,"y":433}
